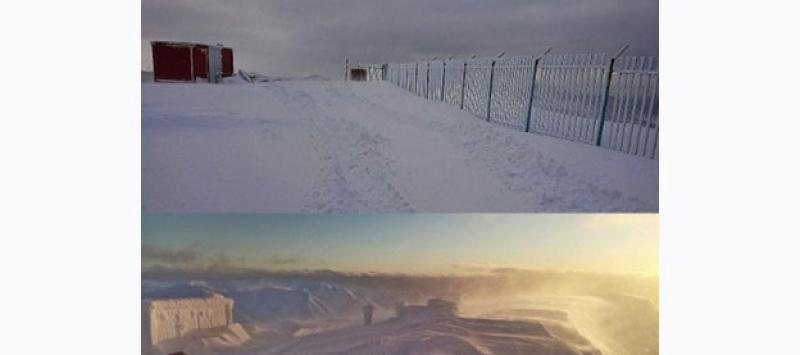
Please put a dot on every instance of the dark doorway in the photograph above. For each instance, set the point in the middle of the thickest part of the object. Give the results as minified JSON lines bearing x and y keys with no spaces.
{"x":358,"y":74}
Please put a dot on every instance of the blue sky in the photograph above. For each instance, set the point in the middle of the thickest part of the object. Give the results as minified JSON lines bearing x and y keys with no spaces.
{"x":411,"y":243}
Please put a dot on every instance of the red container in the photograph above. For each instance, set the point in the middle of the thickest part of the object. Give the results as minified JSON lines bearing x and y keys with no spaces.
{"x":227,"y":62}
{"x":200,"y":58}
{"x":172,"y":62}
{"x":186,"y":62}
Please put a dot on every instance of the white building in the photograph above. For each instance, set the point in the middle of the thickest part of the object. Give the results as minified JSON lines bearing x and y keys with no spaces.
{"x":174,"y":320}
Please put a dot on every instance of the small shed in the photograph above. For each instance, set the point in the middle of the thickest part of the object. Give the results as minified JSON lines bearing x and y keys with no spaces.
{"x":190,"y":62}
{"x":363,"y":72}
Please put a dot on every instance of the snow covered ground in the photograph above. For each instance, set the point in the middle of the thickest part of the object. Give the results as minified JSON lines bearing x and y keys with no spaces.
{"x":320,"y":313}
{"x":328,"y":146}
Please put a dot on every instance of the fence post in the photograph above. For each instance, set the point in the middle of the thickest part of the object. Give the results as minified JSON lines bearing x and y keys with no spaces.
{"x":346,"y":69}
{"x":444,"y":72}
{"x":416,"y":78}
{"x":606,"y":94}
{"x":533,"y":86}
{"x":491,"y":87}
{"x":428,"y":82}
{"x":463,"y":83}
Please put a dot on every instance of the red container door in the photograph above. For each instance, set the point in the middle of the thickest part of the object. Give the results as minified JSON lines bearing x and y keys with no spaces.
{"x":171,"y":62}
{"x":200,"y":55}
{"x":227,"y":62}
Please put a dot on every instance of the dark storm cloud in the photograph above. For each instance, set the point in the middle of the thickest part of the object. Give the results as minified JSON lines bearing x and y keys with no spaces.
{"x":290,"y":37}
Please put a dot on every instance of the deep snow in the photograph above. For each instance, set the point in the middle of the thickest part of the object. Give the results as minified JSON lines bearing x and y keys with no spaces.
{"x":327,"y":146}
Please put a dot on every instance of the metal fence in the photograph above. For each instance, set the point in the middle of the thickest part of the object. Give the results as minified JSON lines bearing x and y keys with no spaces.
{"x":592,"y":98}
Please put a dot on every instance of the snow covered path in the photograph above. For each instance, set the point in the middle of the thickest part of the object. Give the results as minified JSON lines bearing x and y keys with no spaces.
{"x":320,"y":146}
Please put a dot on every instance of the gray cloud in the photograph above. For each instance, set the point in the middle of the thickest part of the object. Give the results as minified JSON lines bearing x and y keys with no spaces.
{"x":288,"y":37}
{"x":281,"y":260}
{"x":180,"y":257}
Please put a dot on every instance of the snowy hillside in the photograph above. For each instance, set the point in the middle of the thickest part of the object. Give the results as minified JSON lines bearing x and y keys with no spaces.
{"x":327,"y":146}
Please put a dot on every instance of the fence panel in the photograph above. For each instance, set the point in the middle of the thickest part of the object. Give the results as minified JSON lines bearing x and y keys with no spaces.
{"x":511,"y":90}
{"x":422,"y":84}
{"x":391,"y":73}
{"x":476,"y":91}
{"x":452,"y":82}
{"x":567,"y":101}
{"x":569,"y":91}
{"x":436,"y":81}
{"x":632,"y":119}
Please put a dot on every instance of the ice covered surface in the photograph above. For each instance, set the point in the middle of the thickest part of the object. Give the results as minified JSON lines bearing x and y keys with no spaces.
{"x":525,"y":313}
{"x":167,"y":323}
{"x":327,"y":146}
{"x":424,"y":329}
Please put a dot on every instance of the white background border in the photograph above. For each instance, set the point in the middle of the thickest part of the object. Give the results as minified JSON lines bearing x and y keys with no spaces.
{"x":70,"y":181}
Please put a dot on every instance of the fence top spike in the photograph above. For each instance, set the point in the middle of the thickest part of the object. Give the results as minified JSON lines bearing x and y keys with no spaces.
{"x":622,"y":50}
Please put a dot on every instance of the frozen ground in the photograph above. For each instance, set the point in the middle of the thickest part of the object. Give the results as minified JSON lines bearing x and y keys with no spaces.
{"x":321,"y":314}
{"x":328,"y":146}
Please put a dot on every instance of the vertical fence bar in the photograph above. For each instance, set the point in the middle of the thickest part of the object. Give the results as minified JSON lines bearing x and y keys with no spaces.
{"x":629,"y":62}
{"x":572,"y":101}
{"x":605,"y":95}
{"x":650,"y":110}
{"x":555,"y":99}
{"x":416,"y":78}
{"x":530,"y":96}
{"x":558,"y":94}
{"x":491,"y":84}
{"x":618,"y":137}
{"x":346,"y":69}
{"x":585,"y":99}
{"x":618,"y":108}
{"x":644,"y":90}
{"x":444,"y":73}
{"x":463,"y":83}
{"x":636,"y":109}
{"x":428,"y":82}
{"x":405,"y":83}
{"x":547,"y":93}
{"x":533,"y":87}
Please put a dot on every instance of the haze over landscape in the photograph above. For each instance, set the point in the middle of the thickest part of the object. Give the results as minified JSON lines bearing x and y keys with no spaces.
{"x":453,"y":283}
{"x":437,"y":244}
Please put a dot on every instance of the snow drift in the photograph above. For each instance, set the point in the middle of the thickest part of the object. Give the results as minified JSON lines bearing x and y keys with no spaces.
{"x":326,"y":146}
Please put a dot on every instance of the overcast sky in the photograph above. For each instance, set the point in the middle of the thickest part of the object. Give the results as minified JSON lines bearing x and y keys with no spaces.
{"x":291,"y":37}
